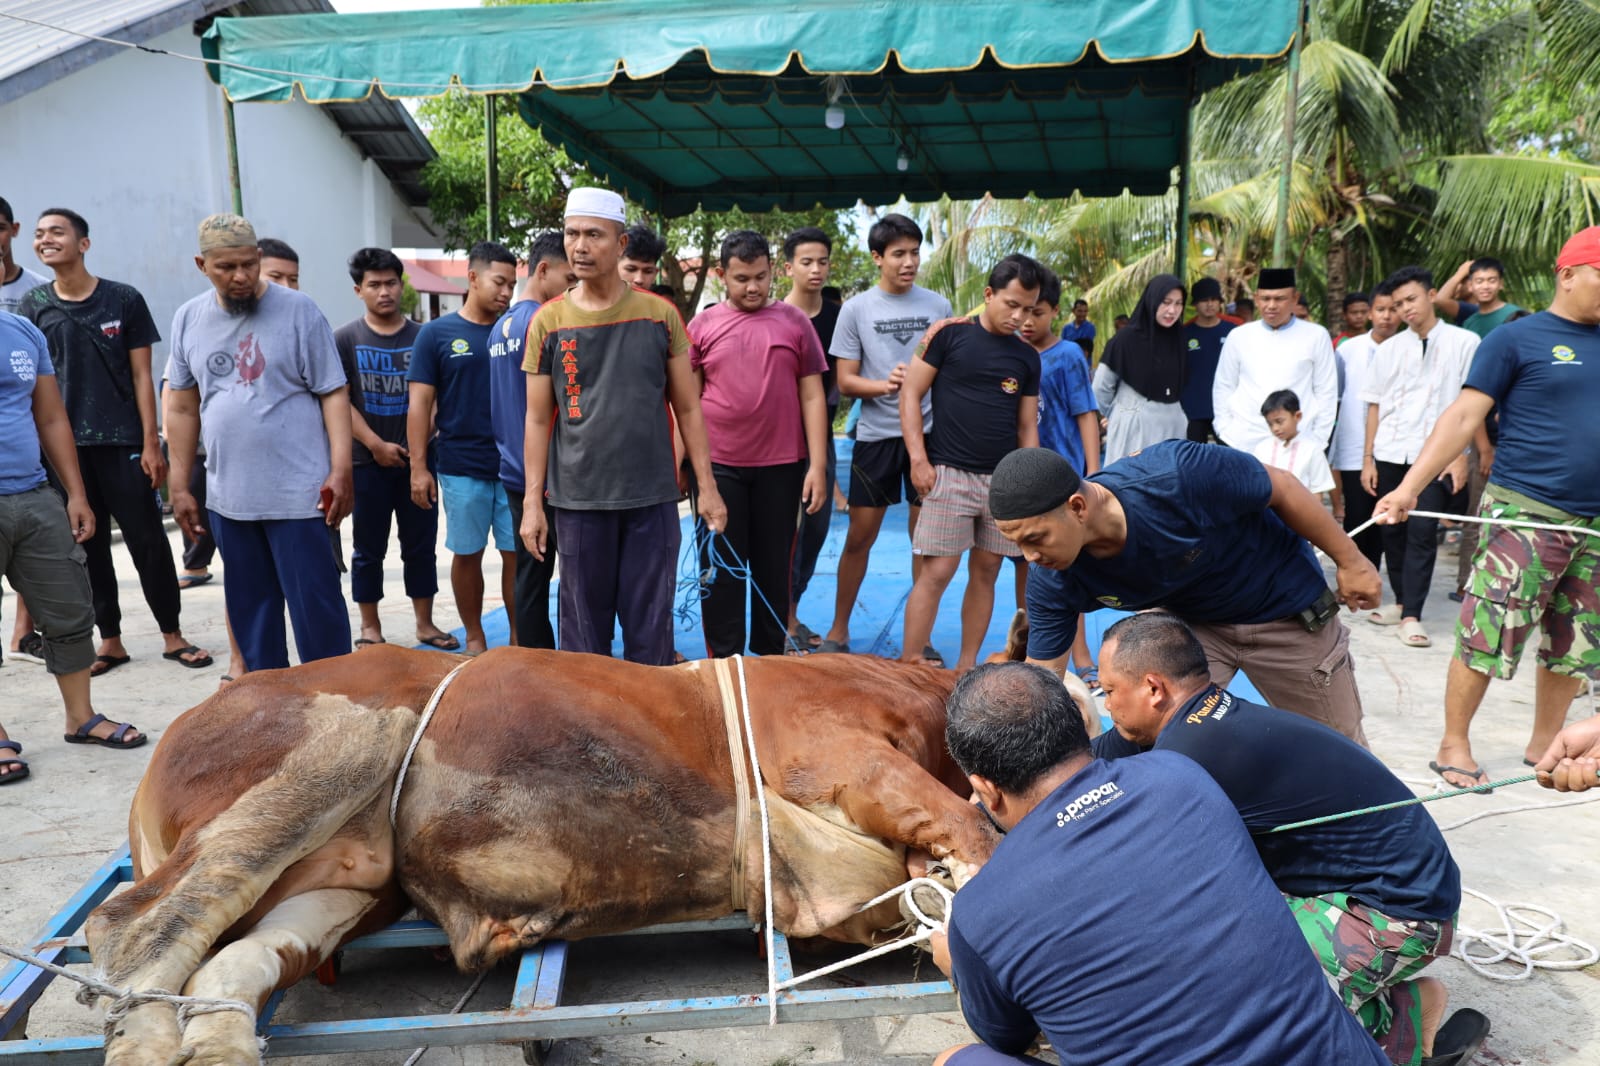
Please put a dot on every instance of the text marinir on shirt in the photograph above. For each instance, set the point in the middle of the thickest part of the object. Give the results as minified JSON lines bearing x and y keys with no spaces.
{"x":569,"y":367}
{"x":1213,"y":706}
{"x":1095,"y":799}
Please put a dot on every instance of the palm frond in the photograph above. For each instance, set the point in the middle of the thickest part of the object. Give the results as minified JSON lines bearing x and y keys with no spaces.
{"x":1407,"y":35}
{"x":1520,"y":208}
{"x":1571,"y":29}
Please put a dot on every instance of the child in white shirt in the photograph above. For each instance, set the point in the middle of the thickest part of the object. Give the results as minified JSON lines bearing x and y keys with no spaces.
{"x":1287,"y":450}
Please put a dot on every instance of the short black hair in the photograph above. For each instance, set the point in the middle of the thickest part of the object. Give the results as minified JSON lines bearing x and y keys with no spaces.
{"x":890,"y":228}
{"x":1282,"y":400}
{"x":1012,"y":723}
{"x":1121,"y":318}
{"x":804,"y":235}
{"x":1407,"y":274}
{"x":645,"y":245}
{"x":1244,"y":303}
{"x":272,"y":248}
{"x":1079,"y":302}
{"x":746,"y":245}
{"x":1382,"y":288}
{"x":1353,"y":298}
{"x":6,"y":212}
{"x":834,"y":293}
{"x":485,"y":252}
{"x":1301,"y":301}
{"x":376,"y":261}
{"x":1049,"y":288}
{"x":547,"y":245}
{"x":1157,"y":642}
{"x":1015,"y":267}
{"x":79,"y":225}
{"x":1487,"y":262}
{"x":1521,"y":312}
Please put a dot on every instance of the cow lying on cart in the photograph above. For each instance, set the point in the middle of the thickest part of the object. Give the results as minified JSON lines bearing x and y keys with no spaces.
{"x":550,"y":795}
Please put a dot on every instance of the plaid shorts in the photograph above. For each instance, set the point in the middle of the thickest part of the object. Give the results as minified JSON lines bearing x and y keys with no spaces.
{"x":955,"y":517}
{"x":1527,"y":578}
{"x":1370,"y":959}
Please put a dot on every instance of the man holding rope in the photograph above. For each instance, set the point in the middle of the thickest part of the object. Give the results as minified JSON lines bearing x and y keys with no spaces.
{"x":1543,"y":371}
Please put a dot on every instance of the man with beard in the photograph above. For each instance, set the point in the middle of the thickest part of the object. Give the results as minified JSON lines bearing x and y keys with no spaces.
{"x":254,"y":367}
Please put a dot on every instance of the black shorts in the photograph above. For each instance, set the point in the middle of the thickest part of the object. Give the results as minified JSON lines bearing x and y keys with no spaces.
{"x":879,"y":469}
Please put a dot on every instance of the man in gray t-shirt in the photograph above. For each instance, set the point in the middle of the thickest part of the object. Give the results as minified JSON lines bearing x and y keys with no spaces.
{"x":874,"y":342}
{"x":254,"y":369}
{"x":16,"y":280}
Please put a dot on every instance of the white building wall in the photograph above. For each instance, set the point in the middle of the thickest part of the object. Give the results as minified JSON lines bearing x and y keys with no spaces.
{"x":135,"y":144}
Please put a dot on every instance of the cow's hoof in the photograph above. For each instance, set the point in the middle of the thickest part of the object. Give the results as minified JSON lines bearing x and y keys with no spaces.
{"x":537,"y":1052}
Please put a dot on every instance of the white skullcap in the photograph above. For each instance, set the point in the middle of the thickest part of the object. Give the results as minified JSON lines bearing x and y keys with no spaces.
{"x":595,"y":203}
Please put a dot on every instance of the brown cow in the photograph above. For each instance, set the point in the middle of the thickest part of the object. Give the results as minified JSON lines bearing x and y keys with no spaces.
{"x":552,"y":795}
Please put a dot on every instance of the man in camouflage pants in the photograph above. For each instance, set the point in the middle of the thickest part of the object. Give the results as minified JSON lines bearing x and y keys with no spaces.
{"x":1544,"y":373}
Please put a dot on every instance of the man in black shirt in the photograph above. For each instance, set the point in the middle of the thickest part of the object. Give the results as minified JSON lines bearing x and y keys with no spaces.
{"x":985,"y":384}
{"x":807,"y":255}
{"x":100,"y":333}
{"x":1375,"y":895}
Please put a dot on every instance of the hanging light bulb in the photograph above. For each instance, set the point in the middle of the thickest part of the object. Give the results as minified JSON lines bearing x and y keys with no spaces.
{"x":902,"y":161}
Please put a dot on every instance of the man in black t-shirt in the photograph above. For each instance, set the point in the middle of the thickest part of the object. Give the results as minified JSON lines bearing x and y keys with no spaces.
{"x":1375,"y":895}
{"x":807,"y":254}
{"x":375,"y":350}
{"x":100,"y":333}
{"x":985,"y":384}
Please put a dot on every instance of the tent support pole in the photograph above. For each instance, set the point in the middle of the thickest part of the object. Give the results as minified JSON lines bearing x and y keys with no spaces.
{"x":1180,"y":256}
{"x":491,"y":190}
{"x":1280,"y":235}
{"x":232,"y":136}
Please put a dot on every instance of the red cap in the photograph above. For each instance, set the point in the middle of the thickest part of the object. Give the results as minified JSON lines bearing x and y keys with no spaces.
{"x":1581,"y":249}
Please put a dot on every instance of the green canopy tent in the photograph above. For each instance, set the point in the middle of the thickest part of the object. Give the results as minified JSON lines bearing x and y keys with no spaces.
{"x":795,"y":103}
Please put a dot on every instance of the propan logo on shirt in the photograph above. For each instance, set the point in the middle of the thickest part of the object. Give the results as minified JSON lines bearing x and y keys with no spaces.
{"x":22,"y":365}
{"x":1091,"y":801}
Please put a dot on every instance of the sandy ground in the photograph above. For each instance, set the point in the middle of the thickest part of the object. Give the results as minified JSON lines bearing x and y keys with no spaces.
{"x":60,"y":825}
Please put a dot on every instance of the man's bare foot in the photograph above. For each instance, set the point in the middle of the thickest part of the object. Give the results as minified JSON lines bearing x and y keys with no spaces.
{"x":113,"y":648}
{"x":476,"y":647}
{"x":1435,"y":998}
{"x":178,"y":649}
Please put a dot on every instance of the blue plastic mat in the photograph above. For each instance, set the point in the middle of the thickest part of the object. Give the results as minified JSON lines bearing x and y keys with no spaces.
{"x":878,"y":621}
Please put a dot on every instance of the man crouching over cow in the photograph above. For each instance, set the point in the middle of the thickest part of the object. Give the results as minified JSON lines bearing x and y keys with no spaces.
{"x":1125,"y":914}
{"x":263,"y":838}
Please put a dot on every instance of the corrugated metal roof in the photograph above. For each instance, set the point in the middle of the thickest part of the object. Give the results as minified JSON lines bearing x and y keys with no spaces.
{"x":50,"y":46}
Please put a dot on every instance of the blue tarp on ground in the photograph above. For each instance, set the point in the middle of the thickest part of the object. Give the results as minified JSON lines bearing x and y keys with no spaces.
{"x":878,"y":620}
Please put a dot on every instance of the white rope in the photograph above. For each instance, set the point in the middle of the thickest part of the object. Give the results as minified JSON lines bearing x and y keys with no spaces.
{"x":125,"y":999}
{"x":1479,"y":520}
{"x":1527,"y":936}
{"x":416,"y":738}
{"x":928,"y":925}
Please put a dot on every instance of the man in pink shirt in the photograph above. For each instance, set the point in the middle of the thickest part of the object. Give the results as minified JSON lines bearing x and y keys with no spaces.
{"x":760,"y":367}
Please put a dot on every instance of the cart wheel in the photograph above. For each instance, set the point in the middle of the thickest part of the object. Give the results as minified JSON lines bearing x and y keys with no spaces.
{"x":537,"y":1052}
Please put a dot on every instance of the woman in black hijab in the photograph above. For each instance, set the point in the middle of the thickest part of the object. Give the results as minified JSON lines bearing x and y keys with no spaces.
{"x":1140,"y":377}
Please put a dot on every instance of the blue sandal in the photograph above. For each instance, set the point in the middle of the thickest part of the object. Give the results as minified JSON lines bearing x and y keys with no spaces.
{"x":11,"y":777}
{"x":117,"y":739}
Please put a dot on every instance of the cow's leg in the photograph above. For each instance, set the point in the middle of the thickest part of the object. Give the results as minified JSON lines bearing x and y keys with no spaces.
{"x":155,"y":934}
{"x":286,"y":945}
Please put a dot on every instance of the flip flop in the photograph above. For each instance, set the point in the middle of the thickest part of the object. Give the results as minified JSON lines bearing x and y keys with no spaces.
{"x":444,"y":642}
{"x":110,"y":662}
{"x":808,"y":638}
{"x":834,"y":647}
{"x":1459,"y":1039}
{"x":1386,"y":616}
{"x":12,"y":776}
{"x":1412,"y":635}
{"x":930,"y":653}
{"x":177,"y":656}
{"x":363,"y":642}
{"x":30,"y":648}
{"x":1476,"y":775}
{"x":189,"y":581}
{"x":115,"y":740}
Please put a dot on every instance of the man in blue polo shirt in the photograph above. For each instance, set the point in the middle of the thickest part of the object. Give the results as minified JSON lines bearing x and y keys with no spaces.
{"x":1376,"y":895}
{"x":1070,"y":930}
{"x":548,"y":277}
{"x":1212,"y":535}
{"x":1544,"y":373}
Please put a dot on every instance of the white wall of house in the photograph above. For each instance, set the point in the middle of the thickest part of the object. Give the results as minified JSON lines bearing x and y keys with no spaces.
{"x":136,"y":145}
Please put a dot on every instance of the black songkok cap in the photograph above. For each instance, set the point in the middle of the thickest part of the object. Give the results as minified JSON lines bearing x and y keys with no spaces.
{"x":1276,"y":278}
{"x":1206,"y":289}
{"x":1030,"y":482}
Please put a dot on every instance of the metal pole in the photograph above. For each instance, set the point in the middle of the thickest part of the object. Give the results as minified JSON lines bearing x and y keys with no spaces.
{"x":491,"y":190}
{"x":1180,"y":257}
{"x":1280,"y":236}
{"x":233,"y":154}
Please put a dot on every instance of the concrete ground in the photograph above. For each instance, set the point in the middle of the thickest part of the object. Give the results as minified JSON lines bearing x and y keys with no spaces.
{"x":57,"y":828}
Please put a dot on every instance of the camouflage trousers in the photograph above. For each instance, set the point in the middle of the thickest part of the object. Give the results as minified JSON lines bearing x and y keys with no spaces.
{"x":1370,"y":959}
{"x":1524,"y":579}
